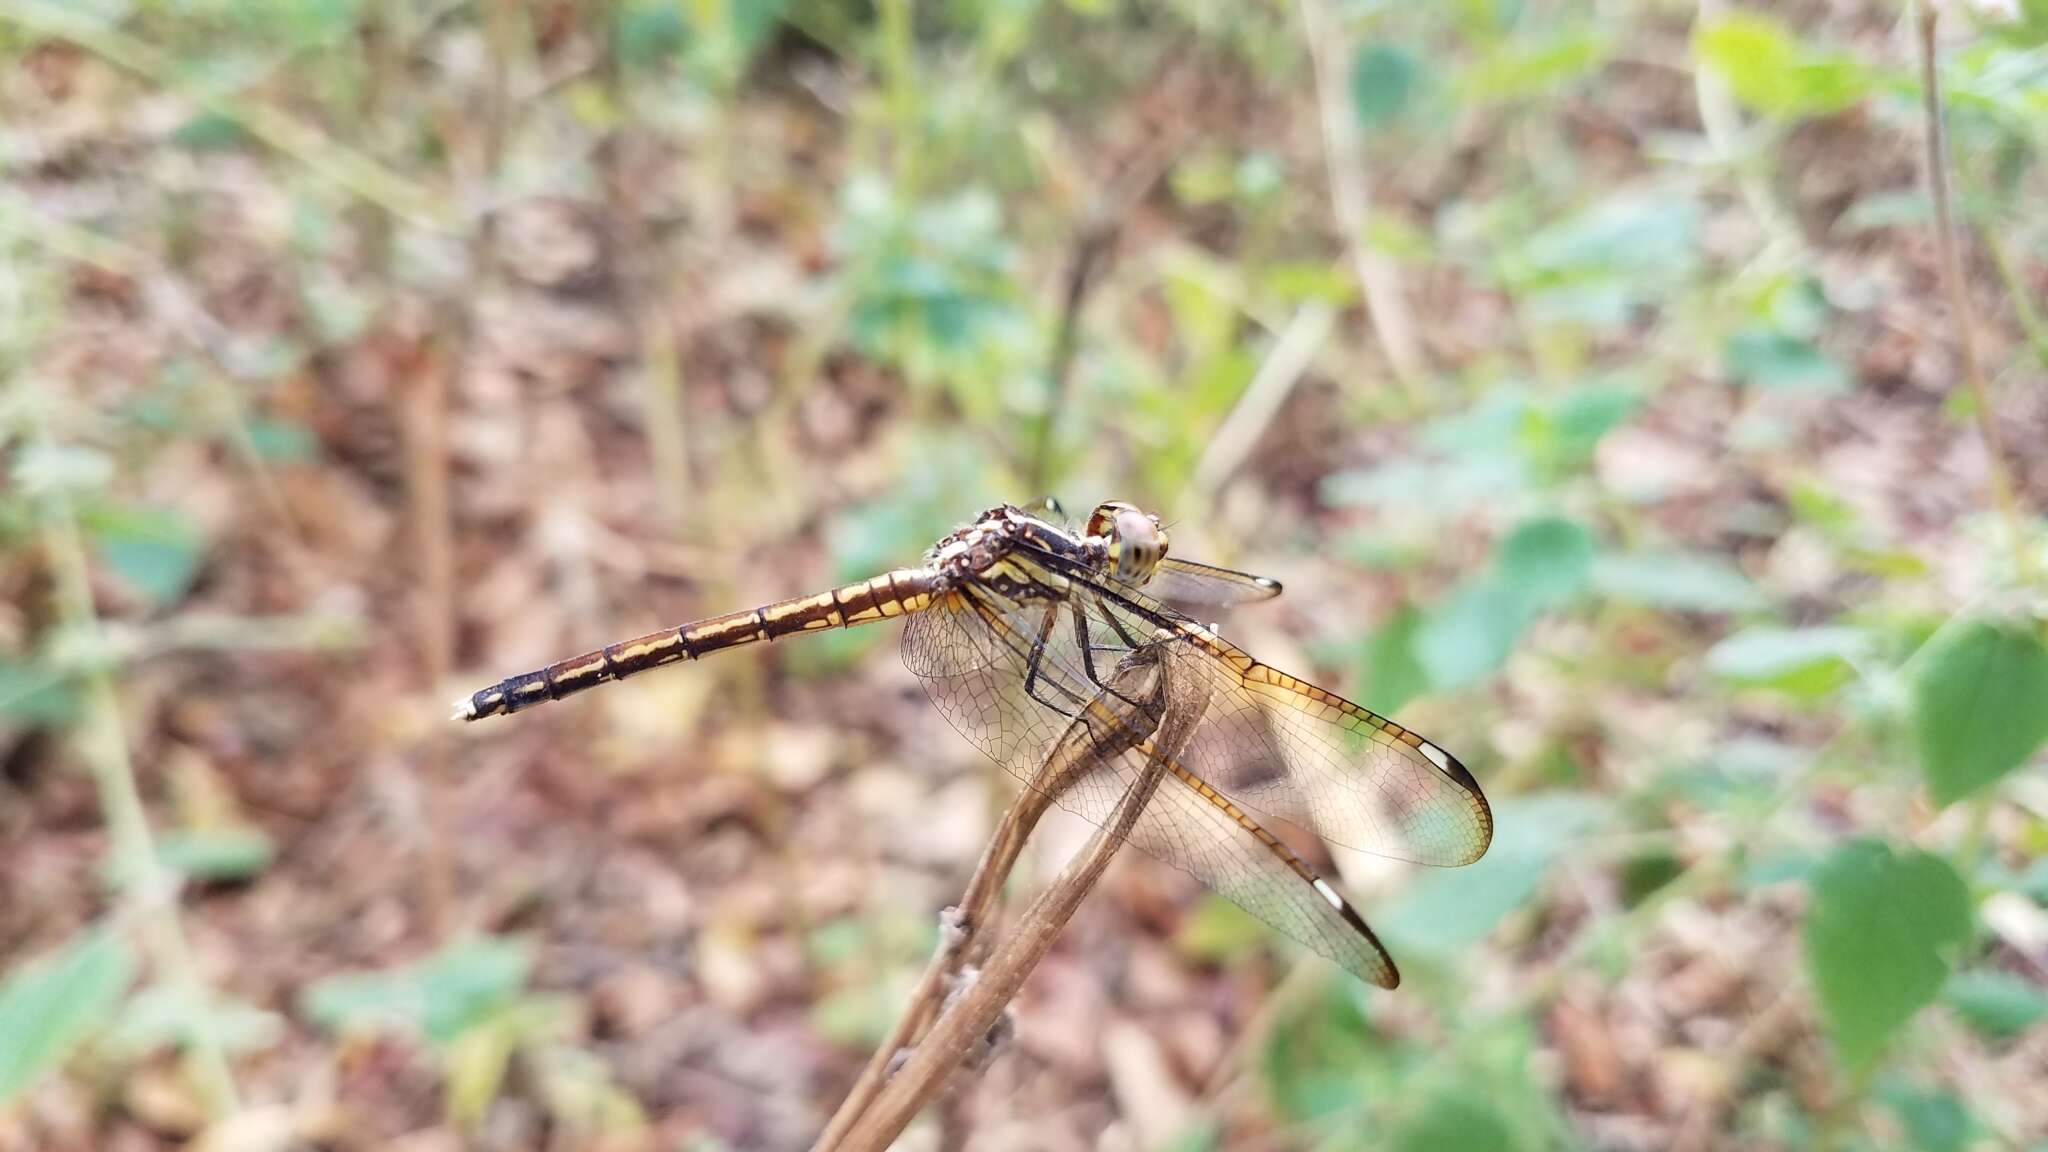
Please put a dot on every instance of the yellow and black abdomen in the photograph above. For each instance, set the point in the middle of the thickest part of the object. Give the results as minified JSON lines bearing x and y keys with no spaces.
{"x":889,"y":595}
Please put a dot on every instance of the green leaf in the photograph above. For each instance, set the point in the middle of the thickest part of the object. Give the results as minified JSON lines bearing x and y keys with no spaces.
{"x":1454,"y":1118}
{"x":1322,"y":1059}
{"x":1383,"y":78}
{"x":1785,"y":866}
{"x":649,"y":31}
{"x":1629,"y":231}
{"x":857,"y":1014}
{"x":34,"y":694}
{"x":155,"y":552}
{"x":210,"y":131}
{"x":1546,"y":561}
{"x":217,"y":853}
{"x":168,"y":1016}
{"x":1882,"y":932}
{"x":2024,"y":27}
{"x":1217,"y":930}
{"x":1644,"y":874}
{"x":1676,"y":581}
{"x":1768,"y":69}
{"x":439,"y":997}
{"x":282,"y":441}
{"x":1392,"y":675}
{"x":1878,"y":210}
{"x":1447,"y":910}
{"x":1802,"y":662}
{"x":1980,"y":703}
{"x":1996,"y":1003}
{"x":1517,"y":68}
{"x":1470,"y":633}
{"x":1781,"y":363}
{"x":1572,"y":429}
{"x":583,"y":1097}
{"x":1934,"y":1121}
{"x":474,"y":1066}
{"x":50,"y":1007}
{"x":1542,"y":564}
{"x":1309,"y":280}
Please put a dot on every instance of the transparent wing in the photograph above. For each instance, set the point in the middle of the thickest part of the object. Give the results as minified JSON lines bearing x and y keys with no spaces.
{"x":1289,"y":749}
{"x":1179,"y":581}
{"x":1013,"y":676}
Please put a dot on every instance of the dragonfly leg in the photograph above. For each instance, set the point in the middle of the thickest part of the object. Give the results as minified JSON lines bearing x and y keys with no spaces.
{"x":1037,"y":657}
{"x":1117,"y":626}
{"x":1088,"y":650}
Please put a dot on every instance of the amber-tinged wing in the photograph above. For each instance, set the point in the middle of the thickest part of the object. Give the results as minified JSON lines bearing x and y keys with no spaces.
{"x":1288,"y":749}
{"x":1011,"y":676}
{"x":1178,"y":581}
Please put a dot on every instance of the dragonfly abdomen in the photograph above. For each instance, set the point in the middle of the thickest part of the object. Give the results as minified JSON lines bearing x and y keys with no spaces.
{"x":891,"y":594}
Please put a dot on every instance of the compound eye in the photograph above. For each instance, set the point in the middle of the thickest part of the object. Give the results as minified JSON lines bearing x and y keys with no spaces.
{"x":1138,"y":545}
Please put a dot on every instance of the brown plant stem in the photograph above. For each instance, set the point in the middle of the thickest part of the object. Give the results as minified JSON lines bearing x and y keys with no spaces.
{"x":976,"y":1007}
{"x":1089,"y":253}
{"x":102,"y":741}
{"x":644,"y":291}
{"x":1956,"y":285}
{"x":960,"y":928}
{"x":1379,"y":279}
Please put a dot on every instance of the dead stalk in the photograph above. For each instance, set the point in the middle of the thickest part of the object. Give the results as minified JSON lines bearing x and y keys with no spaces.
{"x":1093,"y":244}
{"x":959,"y":928}
{"x":424,"y":413}
{"x":645,"y":296}
{"x":1240,"y":431}
{"x":1379,"y":279}
{"x":880,"y":1106}
{"x":1957,"y":288}
{"x":102,"y":740}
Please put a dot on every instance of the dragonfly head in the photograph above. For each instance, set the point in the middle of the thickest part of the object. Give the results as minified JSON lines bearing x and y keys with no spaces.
{"x":1136,"y":541}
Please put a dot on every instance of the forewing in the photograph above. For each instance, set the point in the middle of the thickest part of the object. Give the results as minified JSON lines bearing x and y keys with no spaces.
{"x":973,"y":653}
{"x":1191,"y":582}
{"x":1289,"y":749}
{"x":1230,"y":853}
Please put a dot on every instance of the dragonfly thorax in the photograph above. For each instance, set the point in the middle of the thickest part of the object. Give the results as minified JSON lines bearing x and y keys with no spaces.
{"x":973,"y":549}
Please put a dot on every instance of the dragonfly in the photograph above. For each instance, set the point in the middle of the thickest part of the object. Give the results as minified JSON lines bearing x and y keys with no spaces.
{"x":1018,"y":624}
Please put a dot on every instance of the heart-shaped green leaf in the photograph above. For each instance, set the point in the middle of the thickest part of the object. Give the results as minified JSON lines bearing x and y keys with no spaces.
{"x":1882,"y":933}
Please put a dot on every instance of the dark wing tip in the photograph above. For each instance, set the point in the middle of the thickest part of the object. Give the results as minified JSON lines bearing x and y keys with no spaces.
{"x":1390,"y":976}
{"x":1268,"y":585}
{"x":1482,"y":813}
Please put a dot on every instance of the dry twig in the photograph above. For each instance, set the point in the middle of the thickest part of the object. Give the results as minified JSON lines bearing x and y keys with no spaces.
{"x":644,"y":291}
{"x":1093,"y":244}
{"x":1379,"y":279}
{"x":1240,"y":431}
{"x":1957,"y":287}
{"x":879,"y":1107}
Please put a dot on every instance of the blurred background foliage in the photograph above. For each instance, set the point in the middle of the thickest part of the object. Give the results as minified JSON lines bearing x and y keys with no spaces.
{"x":1585,"y":369}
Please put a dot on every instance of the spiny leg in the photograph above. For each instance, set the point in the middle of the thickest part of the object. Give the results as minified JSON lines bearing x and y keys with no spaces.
{"x":1117,"y":626}
{"x":1037,"y":657}
{"x":1032,"y":680}
{"x":1088,"y":650}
